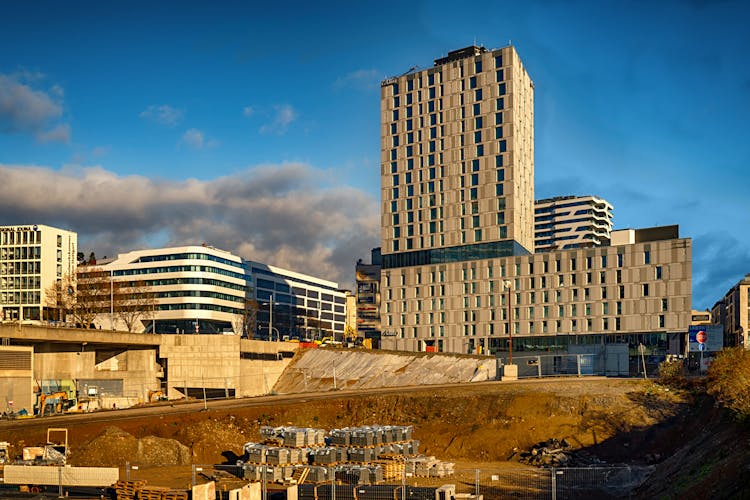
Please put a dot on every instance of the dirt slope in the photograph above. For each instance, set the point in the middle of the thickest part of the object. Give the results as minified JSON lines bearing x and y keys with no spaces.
{"x":618,"y":421}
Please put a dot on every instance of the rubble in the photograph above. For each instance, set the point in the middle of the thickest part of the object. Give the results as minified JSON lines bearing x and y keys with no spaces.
{"x":555,"y":453}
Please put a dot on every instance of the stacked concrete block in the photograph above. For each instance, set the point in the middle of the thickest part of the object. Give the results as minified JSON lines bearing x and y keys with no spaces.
{"x":295,"y":438}
{"x":277,"y":456}
{"x":318,"y":474}
{"x":362,"y":454}
{"x":255,"y":453}
{"x":364,"y":436}
{"x":340,"y":437}
{"x":324,"y":456}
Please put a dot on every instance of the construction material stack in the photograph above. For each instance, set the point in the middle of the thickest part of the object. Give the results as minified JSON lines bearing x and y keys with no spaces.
{"x":358,"y":455}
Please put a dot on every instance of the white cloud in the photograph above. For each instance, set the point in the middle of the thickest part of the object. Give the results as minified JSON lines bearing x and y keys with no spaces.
{"x":164,"y":114}
{"x":196,"y":139}
{"x":60,"y":133}
{"x":248,"y":111}
{"x":25,"y":110}
{"x":284,"y":115}
{"x":362,"y":78}
{"x":283,"y":214}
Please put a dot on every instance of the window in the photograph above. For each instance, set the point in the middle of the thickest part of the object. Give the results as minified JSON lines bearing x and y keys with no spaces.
{"x":503,"y":146}
{"x":664,"y":305}
{"x":647,"y":257}
{"x":499,"y":161}
{"x":473,"y":82}
{"x":499,"y":189}
{"x":499,"y":76}
{"x":478,"y":122}
{"x":658,"y":272}
{"x":501,"y":89}
{"x":477,"y":66}
{"x":645,"y":289}
{"x":476,"y":109}
{"x":498,"y":132}
{"x":500,"y":104}
{"x":478,"y":95}
{"x":661,"y":321}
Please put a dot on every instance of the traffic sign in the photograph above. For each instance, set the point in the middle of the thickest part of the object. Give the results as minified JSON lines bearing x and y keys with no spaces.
{"x":701,"y":347}
{"x":701,"y":337}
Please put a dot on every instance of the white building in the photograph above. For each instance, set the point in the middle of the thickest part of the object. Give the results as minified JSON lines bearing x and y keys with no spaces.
{"x":196,"y":289}
{"x":32,"y":258}
{"x":566,"y":222}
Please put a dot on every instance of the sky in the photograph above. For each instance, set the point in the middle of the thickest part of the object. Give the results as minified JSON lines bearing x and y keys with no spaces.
{"x":255,"y":127}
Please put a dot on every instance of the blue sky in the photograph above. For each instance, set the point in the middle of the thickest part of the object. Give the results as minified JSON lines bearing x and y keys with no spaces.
{"x":256,"y":128}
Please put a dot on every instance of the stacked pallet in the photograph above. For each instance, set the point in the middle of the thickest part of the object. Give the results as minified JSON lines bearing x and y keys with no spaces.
{"x":294,"y":437}
{"x":175,"y":495}
{"x":152,"y":492}
{"x":393,"y":466}
{"x":127,"y":490}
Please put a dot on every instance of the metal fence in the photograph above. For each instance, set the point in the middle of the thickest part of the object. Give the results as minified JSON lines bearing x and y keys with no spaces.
{"x":556,"y":365}
{"x":340,"y":483}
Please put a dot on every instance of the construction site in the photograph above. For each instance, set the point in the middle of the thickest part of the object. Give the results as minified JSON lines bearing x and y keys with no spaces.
{"x":352,"y":424}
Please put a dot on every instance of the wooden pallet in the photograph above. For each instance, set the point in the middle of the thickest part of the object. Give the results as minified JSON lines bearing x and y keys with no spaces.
{"x":300,"y":475}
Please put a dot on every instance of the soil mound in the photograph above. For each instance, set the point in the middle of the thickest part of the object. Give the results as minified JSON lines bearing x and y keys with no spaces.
{"x":114,"y":447}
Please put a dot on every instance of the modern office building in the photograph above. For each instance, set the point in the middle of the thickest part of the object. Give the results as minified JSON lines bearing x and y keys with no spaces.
{"x":190,"y":289}
{"x":733,"y":311}
{"x":32,"y":259}
{"x":459,"y":273}
{"x":566,"y":222}
{"x":368,"y":297}
{"x":205,"y":290}
{"x":303,"y":306}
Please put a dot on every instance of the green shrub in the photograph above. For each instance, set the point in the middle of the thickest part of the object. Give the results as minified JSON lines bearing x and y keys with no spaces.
{"x":729,"y":380}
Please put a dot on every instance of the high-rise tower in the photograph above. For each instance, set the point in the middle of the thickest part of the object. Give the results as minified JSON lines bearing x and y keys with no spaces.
{"x":457,"y":155}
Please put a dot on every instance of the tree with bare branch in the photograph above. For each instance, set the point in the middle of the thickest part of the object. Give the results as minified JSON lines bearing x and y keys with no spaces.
{"x":133,"y":302}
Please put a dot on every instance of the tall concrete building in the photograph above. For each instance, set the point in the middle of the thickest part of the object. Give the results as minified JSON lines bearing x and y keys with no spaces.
{"x":733,"y":311}
{"x":566,"y":222}
{"x":459,"y":273}
{"x":32,"y":259}
{"x":457,"y":159}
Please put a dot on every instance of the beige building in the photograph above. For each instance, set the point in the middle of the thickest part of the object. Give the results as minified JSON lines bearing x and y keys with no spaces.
{"x":32,"y":258}
{"x":457,"y":156}
{"x":733,"y":311}
{"x":459,"y":273}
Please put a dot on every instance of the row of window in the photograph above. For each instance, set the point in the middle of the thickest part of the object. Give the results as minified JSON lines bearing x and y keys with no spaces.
{"x":434,"y":76}
{"x":23,"y":267}
{"x":189,"y":256}
{"x":532,"y":327}
{"x":23,"y":238}
{"x":180,"y":269}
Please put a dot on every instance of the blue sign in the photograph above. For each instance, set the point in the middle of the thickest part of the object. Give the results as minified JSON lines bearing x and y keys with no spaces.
{"x":714,"y":338}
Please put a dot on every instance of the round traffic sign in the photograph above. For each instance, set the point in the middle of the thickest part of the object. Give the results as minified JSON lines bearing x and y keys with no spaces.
{"x":701,"y":337}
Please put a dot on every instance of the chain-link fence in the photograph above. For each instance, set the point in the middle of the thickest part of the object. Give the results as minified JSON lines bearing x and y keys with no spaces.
{"x":368,"y":482}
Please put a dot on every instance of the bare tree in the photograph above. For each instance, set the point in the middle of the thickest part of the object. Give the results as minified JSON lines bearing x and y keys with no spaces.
{"x":92,"y":294}
{"x":59,"y":298}
{"x":133,"y":302}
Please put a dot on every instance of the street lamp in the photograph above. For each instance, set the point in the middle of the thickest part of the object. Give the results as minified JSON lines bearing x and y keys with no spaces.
{"x":508,"y":286}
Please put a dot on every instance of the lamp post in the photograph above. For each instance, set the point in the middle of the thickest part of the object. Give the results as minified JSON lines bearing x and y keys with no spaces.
{"x":112,"y":299}
{"x":508,"y":286}
{"x":270,"y":319}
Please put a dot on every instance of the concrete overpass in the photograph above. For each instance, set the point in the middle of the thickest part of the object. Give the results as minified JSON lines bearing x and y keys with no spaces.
{"x":128,"y":367}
